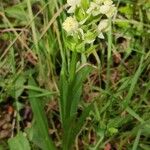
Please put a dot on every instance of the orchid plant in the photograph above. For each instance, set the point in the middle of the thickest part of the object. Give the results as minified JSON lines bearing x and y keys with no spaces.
{"x":86,"y":21}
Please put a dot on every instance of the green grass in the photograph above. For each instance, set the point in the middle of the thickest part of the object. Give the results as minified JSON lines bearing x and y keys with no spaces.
{"x":102,"y":96}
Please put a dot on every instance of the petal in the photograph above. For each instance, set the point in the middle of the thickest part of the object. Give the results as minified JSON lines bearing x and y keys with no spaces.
{"x":71,"y":9}
{"x":101,"y":36}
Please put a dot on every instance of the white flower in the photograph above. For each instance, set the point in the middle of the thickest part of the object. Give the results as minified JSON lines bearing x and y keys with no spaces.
{"x":101,"y":36}
{"x":104,"y":9}
{"x":103,"y":25}
{"x":73,"y":4}
{"x":108,"y":2}
{"x":70,"y":25}
{"x":108,"y":8}
{"x":99,"y":1}
{"x":81,"y":34}
{"x":111,"y":12}
{"x":92,"y":7}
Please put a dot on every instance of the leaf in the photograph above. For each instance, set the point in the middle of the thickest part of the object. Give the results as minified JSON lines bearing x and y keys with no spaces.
{"x":145,"y":147}
{"x":77,"y":87}
{"x":41,"y":124}
{"x":91,"y":49}
{"x":134,"y":81}
{"x":63,"y":88}
{"x":17,"y":12}
{"x":80,"y":14}
{"x":118,"y":121}
{"x":123,"y":24}
{"x":126,"y":10}
{"x":85,"y":4}
{"x":33,"y":134}
{"x":71,"y":42}
{"x":19,"y":142}
{"x":2,"y":147}
{"x":90,"y":36}
{"x":17,"y":86}
{"x":70,"y":92}
{"x":134,"y":114}
{"x":137,"y":140}
{"x":73,"y":127}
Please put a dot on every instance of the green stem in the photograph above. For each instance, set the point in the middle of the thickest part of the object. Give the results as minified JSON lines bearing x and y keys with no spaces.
{"x":109,"y":55}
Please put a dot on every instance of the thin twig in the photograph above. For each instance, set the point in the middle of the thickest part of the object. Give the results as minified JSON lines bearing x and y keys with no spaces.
{"x":12,"y":29}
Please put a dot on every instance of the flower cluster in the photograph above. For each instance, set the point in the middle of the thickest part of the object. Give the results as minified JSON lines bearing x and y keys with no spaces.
{"x":88,"y":20}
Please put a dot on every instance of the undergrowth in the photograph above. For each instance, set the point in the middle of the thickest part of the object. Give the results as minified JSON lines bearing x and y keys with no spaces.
{"x":54,"y":98}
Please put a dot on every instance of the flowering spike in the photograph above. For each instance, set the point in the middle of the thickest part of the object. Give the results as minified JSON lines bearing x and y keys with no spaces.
{"x":86,"y":21}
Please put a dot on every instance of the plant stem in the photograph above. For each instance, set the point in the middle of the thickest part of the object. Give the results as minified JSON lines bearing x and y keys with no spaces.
{"x":109,"y":55}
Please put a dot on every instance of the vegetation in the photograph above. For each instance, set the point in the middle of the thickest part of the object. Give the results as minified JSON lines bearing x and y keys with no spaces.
{"x":78,"y":88}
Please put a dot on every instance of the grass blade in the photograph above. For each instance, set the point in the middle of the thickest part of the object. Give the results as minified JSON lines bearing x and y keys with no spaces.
{"x":136,"y":142}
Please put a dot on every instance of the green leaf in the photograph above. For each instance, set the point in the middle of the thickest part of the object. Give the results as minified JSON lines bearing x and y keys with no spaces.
{"x":70,"y":92}
{"x":134,"y":81}
{"x":123,"y":24}
{"x":77,"y":87}
{"x":80,"y":14}
{"x":2,"y":147}
{"x":17,"y":86}
{"x":17,"y":12}
{"x":90,"y":36}
{"x":117,"y":122}
{"x":71,"y":43}
{"x":63,"y":88}
{"x":112,"y":131}
{"x":85,"y":4}
{"x":80,"y":47}
{"x":134,"y":114}
{"x":19,"y":142}
{"x":33,"y":134}
{"x":73,"y":127}
{"x":145,"y":146}
{"x":126,"y":10}
{"x":40,"y":119}
{"x":137,"y":140}
{"x":91,"y":49}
